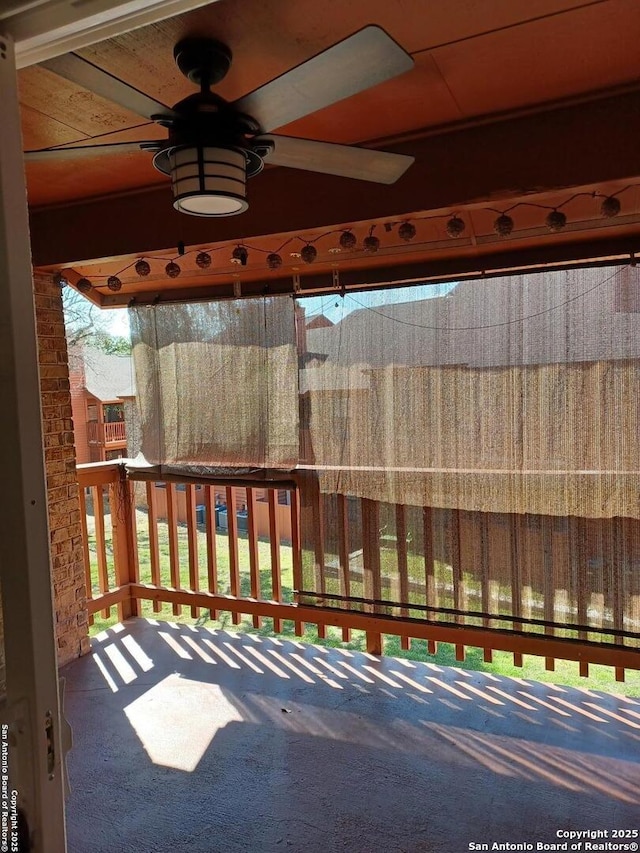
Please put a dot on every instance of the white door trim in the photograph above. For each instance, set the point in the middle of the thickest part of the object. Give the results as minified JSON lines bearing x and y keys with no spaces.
{"x":34,"y":766}
{"x":42,"y":29}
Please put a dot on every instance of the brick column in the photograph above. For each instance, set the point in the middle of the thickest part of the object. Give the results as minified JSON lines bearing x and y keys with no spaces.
{"x":67,"y":567}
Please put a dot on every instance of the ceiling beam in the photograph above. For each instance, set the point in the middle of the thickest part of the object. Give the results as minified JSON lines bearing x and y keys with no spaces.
{"x":580,"y":253}
{"x":591,"y":143}
{"x":42,"y":29}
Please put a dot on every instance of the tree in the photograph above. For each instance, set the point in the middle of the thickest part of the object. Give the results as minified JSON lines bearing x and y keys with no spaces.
{"x":87,"y":324}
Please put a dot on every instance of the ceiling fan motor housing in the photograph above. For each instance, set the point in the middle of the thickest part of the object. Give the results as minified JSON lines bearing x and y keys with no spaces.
{"x":206,"y":119}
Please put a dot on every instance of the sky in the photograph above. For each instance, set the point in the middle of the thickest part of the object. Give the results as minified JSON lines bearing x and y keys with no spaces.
{"x":333,"y":306}
{"x":117,"y":321}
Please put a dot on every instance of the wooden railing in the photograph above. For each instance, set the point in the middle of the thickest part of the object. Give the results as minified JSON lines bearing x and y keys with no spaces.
{"x":215,"y":557}
{"x":106,"y":433}
{"x":114,"y":432}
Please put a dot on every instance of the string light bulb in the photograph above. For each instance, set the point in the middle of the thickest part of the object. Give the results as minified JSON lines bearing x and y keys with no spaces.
{"x":556,"y":220}
{"x":59,"y":279}
{"x":142,"y":268}
{"x":172,"y":269}
{"x":308,"y":253}
{"x":240,"y":256}
{"x":203,"y":260}
{"x":455,"y":226}
{"x":371,"y":244}
{"x":348,"y":240}
{"x":274,"y":261}
{"x":407,"y":231}
{"x":503,"y":225}
{"x":610,"y":207}
{"x":83,"y":285}
{"x":114,"y":283}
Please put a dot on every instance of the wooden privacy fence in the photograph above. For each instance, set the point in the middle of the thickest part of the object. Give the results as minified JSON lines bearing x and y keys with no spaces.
{"x":520,"y":584}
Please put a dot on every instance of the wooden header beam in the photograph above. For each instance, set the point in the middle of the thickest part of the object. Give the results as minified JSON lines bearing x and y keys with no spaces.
{"x":497,"y":162}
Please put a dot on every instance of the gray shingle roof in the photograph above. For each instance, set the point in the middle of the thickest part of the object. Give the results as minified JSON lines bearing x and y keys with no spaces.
{"x":108,"y":377}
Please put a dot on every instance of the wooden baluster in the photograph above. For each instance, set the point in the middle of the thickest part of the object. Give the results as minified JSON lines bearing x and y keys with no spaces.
{"x":154,"y":550}
{"x":174,"y":556}
{"x":296,"y":553}
{"x":431,"y":586}
{"x":254,"y":555}
{"x":234,"y":564}
{"x":456,"y":573}
{"x":547,"y":580}
{"x":274,"y":541}
{"x":85,"y":548}
{"x":343,"y":553}
{"x":485,"y":576}
{"x":621,"y":526}
{"x":318,"y":526}
{"x":577,"y":540}
{"x":135,"y":556}
{"x":101,"y":553}
{"x":192,"y":544}
{"x":371,"y":566}
{"x":403,"y":567}
{"x":516,"y":581}
{"x":212,"y":559}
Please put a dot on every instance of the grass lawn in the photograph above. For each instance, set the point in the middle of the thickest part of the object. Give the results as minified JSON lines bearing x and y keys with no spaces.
{"x":566,"y":672}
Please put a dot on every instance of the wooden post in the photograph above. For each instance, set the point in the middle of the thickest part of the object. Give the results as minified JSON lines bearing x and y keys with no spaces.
{"x":124,"y":542}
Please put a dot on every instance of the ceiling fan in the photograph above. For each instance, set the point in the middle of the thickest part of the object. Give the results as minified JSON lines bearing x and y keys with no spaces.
{"x":213,"y":146}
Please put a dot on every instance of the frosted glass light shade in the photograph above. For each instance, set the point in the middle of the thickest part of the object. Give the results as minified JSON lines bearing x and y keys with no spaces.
{"x":208,"y":181}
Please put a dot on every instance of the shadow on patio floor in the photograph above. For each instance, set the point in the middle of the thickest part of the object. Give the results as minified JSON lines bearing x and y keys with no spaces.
{"x":186,"y":739}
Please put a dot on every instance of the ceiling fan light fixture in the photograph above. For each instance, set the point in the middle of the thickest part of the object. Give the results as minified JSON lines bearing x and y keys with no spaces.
{"x":206,"y":181}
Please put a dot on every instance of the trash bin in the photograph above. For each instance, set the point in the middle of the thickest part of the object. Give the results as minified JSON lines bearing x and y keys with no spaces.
{"x":221,"y":518}
{"x":243,"y":521}
{"x":201,"y":514}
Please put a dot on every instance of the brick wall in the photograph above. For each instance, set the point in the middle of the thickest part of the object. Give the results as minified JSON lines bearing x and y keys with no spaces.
{"x":60,"y":462}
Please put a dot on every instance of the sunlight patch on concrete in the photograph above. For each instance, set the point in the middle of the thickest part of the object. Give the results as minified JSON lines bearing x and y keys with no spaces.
{"x":177,"y":719}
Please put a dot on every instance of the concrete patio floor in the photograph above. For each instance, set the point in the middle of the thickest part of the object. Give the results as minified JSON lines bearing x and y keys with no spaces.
{"x":192,"y":740}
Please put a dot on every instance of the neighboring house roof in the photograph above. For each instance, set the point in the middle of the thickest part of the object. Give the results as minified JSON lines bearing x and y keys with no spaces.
{"x":107,"y":377}
{"x":546,"y":318}
{"x":319,"y":322}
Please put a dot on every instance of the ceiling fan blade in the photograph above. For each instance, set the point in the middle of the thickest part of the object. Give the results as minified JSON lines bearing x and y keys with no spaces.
{"x":361,"y":61}
{"x":77,"y":70}
{"x":347,"y":161}
{"x":74,"y":153}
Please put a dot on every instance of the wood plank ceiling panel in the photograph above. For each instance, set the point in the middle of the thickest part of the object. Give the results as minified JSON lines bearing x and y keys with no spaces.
{"x":590,"y":49}
{"x":70,"y":105}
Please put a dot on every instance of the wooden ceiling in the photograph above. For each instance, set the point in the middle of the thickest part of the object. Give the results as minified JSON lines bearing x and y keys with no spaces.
{"x":509,"y":101}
